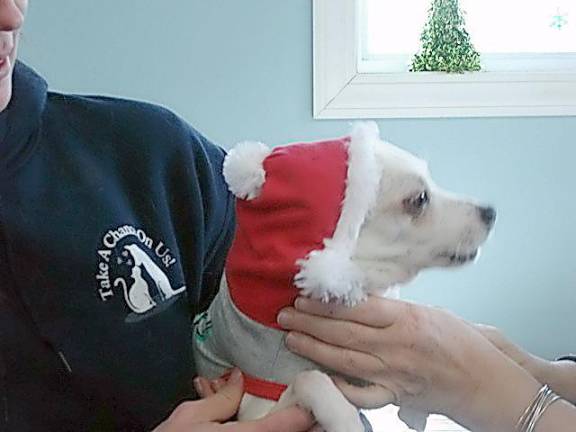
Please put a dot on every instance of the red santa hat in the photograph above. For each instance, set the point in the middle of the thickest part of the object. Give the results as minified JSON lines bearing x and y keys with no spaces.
{"x":300,"y":208}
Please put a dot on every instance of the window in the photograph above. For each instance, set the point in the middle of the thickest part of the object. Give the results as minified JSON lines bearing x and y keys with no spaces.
{"x":511,"y":35}
{"x":363,"y":49}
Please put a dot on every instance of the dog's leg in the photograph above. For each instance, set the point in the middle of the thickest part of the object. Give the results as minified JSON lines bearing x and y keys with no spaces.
{"x":315,"y":391}
{"x":253,"y":407}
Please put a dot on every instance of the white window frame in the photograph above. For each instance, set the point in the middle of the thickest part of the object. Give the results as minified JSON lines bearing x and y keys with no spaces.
{"x":341,"y":91}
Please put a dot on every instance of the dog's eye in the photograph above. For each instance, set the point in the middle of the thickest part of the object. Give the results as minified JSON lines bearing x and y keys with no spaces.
{"x":415,"y":205}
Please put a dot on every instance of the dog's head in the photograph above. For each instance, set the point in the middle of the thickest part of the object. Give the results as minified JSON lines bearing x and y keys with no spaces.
{"x":354,"y":214}
{"x":415,"y":224}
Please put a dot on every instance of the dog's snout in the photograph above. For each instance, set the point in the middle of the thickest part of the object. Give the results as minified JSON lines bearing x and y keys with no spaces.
{"x":488,"y":215}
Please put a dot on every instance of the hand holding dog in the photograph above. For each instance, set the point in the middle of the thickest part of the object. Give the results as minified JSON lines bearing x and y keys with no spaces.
{"x":423,"y":359}
{"x":559,"y":375}
{"x":220,"y":402}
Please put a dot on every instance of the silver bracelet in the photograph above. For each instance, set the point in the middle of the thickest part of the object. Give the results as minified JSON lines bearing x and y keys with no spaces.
{"x":541,"y":402}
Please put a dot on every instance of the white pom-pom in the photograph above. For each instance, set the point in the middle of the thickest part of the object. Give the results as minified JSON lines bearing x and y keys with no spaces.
{"x":244,"y":170}
{"x":365,"y":131}
{"x":330,"y":275}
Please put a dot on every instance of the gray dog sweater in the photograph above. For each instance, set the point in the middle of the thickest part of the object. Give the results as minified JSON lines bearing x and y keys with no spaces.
{"x":224,"y":338}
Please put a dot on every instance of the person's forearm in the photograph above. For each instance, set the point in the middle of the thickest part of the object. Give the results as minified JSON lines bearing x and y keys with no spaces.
{"x":505,"y":395}
{"x":559,"y":417}
{"x":561,"y":377}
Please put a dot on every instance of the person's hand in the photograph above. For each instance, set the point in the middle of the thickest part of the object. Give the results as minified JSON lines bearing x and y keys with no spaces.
{"x":220,"y":402}
{"x":559,"y":375}
{"x":423,"y":359}
{"x":530,"y":362}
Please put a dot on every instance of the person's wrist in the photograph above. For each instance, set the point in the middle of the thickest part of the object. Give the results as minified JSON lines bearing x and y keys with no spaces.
{"x":562,"y":379}
{"x":543,"y":370}
{"x":500,"y":399}
{"x":560,"y":375}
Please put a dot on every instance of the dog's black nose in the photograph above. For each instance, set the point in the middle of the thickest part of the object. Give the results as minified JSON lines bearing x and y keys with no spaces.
{"x":488,"y":215}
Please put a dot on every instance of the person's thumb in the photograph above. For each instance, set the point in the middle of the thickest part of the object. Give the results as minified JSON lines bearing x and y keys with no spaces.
{"x":225,"y":402}
{"x":217,"y":407}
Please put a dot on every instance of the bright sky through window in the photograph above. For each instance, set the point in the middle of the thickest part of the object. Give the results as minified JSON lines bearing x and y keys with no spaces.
{"x":495,"y":26}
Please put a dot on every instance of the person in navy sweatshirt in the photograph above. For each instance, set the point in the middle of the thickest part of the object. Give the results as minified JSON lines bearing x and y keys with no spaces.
{"x":114,"y":226}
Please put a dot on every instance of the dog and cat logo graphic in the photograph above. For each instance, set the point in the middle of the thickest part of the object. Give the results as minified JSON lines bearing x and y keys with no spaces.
{"x":134,"y":265}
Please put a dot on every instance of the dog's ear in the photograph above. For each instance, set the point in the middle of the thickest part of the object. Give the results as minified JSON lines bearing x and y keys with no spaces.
{"x":243,"y":169}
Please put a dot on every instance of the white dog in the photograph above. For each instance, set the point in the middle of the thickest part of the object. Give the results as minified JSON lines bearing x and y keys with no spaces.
{"x":335,"y":220}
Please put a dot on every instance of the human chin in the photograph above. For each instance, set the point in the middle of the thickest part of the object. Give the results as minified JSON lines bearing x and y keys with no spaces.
{"x":5,"y":91}
{"x":6,"y":72}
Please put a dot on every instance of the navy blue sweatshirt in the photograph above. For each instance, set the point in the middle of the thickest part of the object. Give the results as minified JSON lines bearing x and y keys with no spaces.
{"x":114,"y":225}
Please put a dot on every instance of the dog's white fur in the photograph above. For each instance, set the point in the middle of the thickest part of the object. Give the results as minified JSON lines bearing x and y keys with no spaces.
{"x":392,"y":246}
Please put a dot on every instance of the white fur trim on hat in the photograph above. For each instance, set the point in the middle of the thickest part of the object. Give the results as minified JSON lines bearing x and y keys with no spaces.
{"x":243,"y":169}
{"x":330,"y":273}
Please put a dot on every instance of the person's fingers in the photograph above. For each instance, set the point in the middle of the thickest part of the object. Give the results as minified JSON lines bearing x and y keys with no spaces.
{"x":224,"y":403}
{"x":217,"y":384}
{"x":197,"y":382}
{"x":335,"y":332}
{"x":218,"y":406}
{"x":523,"y":358}
{"x":317,"y":428}
{"x":292,"y":419}
{"x":172,"y":426}
{"x":488,"y":331}
{"x":368,"y":397}
{"x":204,"y":387}
{"x":497,"y":338}
{"x":341,"y":360}
{"x":375,"y":312}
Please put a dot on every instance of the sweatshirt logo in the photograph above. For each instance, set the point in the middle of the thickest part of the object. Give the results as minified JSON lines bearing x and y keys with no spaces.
{"x":202,"y":326}
{"x":135,"y":266}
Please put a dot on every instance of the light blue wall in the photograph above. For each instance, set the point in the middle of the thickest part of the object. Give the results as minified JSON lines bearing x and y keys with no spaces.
{"x":242,"y":69}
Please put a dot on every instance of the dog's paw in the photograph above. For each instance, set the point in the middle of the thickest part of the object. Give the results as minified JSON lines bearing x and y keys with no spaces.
{"x":315,"y":391}
{"x":347,"y":420}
